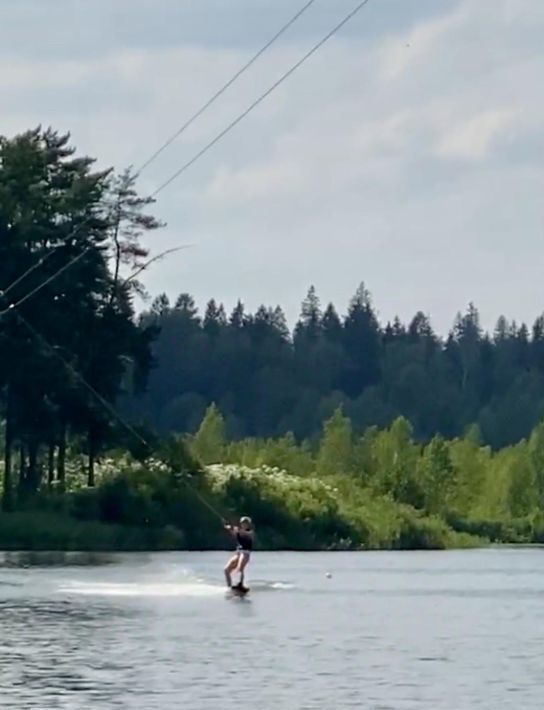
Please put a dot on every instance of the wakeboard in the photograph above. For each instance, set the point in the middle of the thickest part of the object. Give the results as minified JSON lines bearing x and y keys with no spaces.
{"x":239,"y":590}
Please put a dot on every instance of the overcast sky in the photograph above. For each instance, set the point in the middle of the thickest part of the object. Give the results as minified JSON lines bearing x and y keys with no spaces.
{"x":408,"y":153}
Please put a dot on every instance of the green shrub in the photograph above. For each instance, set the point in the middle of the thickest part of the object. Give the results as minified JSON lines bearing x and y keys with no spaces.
{"x":47,"y":531}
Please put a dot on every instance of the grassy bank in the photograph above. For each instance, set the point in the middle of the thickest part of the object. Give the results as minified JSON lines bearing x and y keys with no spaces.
{"x":144,"y":507}
{"x":381,"y":490}
{"x":37,"y":531}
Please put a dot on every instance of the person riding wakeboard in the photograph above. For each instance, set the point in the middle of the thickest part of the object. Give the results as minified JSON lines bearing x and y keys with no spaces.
{"x":243,"y":534}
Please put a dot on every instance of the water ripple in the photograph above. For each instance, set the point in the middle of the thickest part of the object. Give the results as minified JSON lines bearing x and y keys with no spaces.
{"x":146,"y":633}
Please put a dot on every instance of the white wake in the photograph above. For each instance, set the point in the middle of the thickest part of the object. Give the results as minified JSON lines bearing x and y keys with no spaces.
{"x":138,"y":589}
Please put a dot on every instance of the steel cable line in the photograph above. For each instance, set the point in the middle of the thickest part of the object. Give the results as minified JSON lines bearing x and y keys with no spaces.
{"x":189,"y":122}
{"x":45,"y":283}
{"x":109,"y":407}
{"x":226,"y":86}
{"x":261,"y":98}
{"x":233,"y":123}
{"x":26,"y":273}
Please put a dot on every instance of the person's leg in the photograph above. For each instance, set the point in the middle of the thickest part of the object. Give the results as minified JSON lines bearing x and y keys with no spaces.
{"x":229,"y":569}
{"x":243,"y":560}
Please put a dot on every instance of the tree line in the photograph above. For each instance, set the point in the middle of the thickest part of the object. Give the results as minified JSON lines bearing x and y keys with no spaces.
{"x":268,"y":381}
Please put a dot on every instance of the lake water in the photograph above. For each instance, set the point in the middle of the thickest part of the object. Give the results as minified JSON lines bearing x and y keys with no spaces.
{"x":388,"y":631}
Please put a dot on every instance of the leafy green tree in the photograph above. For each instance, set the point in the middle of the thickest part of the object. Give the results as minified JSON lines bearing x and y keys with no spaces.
{"x":365,"y":461}
{"x":522,"y":491}
{"x":208,"y":443}
{"x":284,"y":453}
{"x":536,"y":453}
{"x":396,"y":459}
{"x":335,"y":449}
{"x":437,"y":477}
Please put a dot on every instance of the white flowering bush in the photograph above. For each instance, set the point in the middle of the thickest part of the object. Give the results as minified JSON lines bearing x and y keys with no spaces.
{"x":271,"y":481}
{"x":305,"y":509}
{"x":111,"y":467}
{"x":336,"y":510}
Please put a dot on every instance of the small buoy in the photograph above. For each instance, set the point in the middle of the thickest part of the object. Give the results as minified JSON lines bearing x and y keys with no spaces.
{"x":328,"y":575}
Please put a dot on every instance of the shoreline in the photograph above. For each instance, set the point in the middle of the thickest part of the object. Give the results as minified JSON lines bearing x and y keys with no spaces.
{"x":47,"y":531}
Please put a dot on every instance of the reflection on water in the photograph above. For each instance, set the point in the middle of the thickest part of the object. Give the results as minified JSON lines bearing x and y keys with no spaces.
{"x":55,"y":559}
{"x":150,"y":632}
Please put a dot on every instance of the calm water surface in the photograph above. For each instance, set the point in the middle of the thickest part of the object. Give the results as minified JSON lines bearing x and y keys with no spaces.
{"x":388,"y":631}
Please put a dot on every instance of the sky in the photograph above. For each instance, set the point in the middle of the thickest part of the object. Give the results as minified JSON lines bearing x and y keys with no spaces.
{"x":407,"y":153}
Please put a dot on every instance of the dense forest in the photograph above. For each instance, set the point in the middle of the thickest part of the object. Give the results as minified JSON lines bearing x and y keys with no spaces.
{"x":268,"y":381}
{"x":136,"y":431}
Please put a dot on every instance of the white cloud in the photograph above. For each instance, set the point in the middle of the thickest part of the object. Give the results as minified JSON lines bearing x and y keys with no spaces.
{"x":472,"y":139}
{"x":404,"y":52}
{"x":416,"y":168}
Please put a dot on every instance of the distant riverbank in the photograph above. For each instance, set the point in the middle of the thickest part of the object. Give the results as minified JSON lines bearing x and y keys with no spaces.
{"x":149,"y":506}
{"x":37,"y":531}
